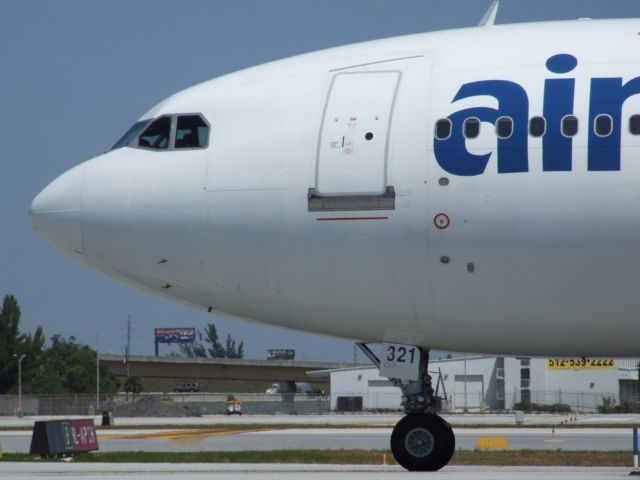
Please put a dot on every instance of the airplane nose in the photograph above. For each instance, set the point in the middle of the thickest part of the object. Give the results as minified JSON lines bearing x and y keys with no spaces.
{"x":56,"y":213}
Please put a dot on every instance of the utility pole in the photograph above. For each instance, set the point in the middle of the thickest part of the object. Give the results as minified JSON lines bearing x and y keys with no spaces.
{"x":20,"y":358}
{"x":128,"y":350}
{"x":97,"y":373}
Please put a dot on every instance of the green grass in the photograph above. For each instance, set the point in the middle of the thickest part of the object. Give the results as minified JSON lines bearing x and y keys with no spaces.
{"x":354,"y":457}
{"x":555,"y":458}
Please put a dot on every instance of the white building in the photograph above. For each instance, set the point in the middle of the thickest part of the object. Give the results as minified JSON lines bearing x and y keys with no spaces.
{"x":482,"y":383}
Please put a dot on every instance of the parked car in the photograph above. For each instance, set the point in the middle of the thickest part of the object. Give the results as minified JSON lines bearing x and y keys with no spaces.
{"x":273,"y":389}
{"x":187,"y":387}
{"x":286,"y":387}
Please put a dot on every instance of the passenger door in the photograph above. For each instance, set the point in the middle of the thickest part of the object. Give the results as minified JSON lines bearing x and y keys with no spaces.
{"x":352,"y":150}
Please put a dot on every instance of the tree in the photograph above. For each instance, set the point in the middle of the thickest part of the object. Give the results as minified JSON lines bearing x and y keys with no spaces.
{"x":230,"y":349}
{"x":133,"y":385}
{"x":33,"y":347}
{"x":64,"y":367}
{"x":13,"y":344}
{"x":9,"y":340}
{"x":214,"y":349}
{"x":69,"y":367}
{"x":195,"y":349}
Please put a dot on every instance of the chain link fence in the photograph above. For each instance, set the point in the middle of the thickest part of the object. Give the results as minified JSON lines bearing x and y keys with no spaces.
{"x":556,"y":401}
{"x":197,"y":404}
{"x":162,"y":404}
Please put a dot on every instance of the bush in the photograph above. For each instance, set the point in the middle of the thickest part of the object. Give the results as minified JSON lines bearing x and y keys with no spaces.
{"x":133,"y":385}
{"x":527,"y":406}
{"x":609,"y":406}
{"x":627,"y":408}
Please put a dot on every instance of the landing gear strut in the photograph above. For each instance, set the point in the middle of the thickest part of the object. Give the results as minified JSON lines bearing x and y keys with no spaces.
{"x":421,"y":441}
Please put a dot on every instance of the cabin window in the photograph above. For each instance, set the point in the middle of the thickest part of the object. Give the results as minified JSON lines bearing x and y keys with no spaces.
{"x":191,"y":132}
{"x":504,"y":127}
{"x":634,"y":124}
{"x":537,"y":126}
{"x":569,"y":126}
{"x":443,"y":129}
{"x":132,"y":133}
{"x":603,"y":125}
{"x":157,"y":134}
{"x":471,"y":127}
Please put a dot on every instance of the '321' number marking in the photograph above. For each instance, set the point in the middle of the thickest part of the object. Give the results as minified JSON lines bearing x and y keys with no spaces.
{"x":400,"y":354}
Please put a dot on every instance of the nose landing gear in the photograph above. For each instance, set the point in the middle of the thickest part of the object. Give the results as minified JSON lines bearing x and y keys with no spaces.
{"x":422,"y":440}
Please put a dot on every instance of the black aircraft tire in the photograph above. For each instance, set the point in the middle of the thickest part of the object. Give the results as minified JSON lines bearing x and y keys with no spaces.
{"x":422,"y":442}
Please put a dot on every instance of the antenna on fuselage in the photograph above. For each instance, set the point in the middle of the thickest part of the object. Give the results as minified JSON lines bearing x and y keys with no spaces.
{"x":489,"y":17}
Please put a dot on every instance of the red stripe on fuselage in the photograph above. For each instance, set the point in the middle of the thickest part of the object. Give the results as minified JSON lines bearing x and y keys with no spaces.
{"x":350,"y":218}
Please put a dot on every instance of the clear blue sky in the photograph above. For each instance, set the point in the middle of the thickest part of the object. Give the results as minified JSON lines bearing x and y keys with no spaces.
{"x":76,"y":74}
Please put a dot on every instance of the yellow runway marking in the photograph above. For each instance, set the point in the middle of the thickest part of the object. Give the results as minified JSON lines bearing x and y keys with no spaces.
{"x":492,"y":443}
{"x":190,"y":433}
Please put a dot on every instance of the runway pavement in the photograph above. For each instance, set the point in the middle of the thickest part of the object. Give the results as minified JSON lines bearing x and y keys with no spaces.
{"x":53,"y":471}
{"x":176,"y":440}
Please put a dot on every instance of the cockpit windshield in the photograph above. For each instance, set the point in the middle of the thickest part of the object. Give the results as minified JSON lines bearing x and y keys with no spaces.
{"x":191,"y":132}
{"x":168,"y":132}
{"x":132,"y":133}
{"x":157,"y":134}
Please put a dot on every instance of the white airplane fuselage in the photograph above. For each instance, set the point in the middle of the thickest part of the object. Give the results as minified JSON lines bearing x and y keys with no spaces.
{"x":518,"y":245}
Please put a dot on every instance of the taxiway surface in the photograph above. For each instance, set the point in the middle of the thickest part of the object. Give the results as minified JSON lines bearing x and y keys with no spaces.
{"x":179,"y":440}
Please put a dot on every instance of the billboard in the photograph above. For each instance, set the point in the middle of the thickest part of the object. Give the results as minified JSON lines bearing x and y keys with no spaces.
{"x":281,"y":354}
{"x":583,"y":363}
{"x":175,"y":335}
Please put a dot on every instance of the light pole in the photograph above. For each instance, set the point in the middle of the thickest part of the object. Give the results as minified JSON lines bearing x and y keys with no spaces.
{"x":97,"y":374}
{"x":465,"y":383}
{"x":20,"y":358}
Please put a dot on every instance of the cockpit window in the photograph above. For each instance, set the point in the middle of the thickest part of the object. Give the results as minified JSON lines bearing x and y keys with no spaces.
{"x":157,"y":134}
{"x":168,"y":132}
{"x":191,"y":132}
{"x":132,"y":133}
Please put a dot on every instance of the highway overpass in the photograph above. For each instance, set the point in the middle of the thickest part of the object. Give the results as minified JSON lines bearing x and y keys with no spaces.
{"x":217,"y":374}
